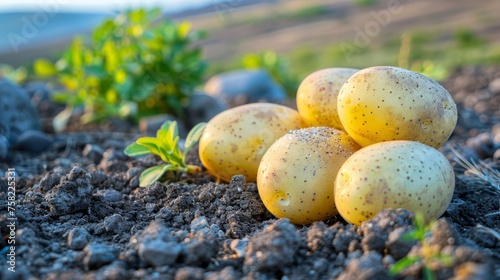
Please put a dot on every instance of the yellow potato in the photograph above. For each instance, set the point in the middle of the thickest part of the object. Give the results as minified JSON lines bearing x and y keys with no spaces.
{"x":235,"y":140}
{"x":317,"y":96}
{"x":296,"y":175}
{"x":394,"y":174}
{"x":387,"y":103}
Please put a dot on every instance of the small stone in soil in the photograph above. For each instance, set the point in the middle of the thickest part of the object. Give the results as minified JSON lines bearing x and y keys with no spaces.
{"x":113,"y":223}
{"x":97,"y":255}
{"x":159,"y":253}
{"x":33,"y":141}
{"x":78,"y":238}
{"x":93,"y":152}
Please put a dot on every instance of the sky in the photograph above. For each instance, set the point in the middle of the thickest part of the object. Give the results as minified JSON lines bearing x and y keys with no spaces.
{"x":99,"y":5}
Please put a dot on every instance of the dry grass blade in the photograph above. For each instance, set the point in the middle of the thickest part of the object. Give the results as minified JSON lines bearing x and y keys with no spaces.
{"x":480,"y":170}
{"x":489,"y":230}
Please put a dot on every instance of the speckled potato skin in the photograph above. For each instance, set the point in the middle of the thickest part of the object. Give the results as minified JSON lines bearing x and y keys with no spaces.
{"x":317,"y":96}
{"x":235,"y":140}
{"x":394,"y":174}
{"x":388,"y":103}
{"x":296,"y":175}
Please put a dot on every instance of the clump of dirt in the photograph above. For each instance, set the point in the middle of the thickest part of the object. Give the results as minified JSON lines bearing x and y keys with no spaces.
{"x":81,"y":215}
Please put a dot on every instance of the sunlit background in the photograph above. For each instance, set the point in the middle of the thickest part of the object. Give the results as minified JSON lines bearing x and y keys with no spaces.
{"x":426,"y":36}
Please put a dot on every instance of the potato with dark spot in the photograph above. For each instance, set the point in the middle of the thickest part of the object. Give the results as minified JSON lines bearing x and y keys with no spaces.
{"x":235,"y":140}
{"x":296,"y":176}
{"x":386,"y":103}
{"x":317,"y":96}
{"x":394,"y":174}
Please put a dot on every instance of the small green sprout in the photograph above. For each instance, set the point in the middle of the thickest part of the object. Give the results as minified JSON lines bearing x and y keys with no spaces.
{"x":429,"y":255}
{"x":166,"y":146}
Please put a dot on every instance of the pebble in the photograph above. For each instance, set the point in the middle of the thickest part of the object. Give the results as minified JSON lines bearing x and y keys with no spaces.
{"x":243,"y":86}
{"x":199,"y":224}
{"x":78,"y":238}
{"x":33,"y":141}
{"x":93,"y":152}
{"x":201,"y":108}
{"x":110,"y":195}
{"x":72,"y":194}
{"x":157,"y":252}
{"x":16,"y":111}
{"x":97,"y":255}
{"x":113,"y":223}
{"x":134,"y":171}
{"x":113,"y":161}
{"x":239,"y":246}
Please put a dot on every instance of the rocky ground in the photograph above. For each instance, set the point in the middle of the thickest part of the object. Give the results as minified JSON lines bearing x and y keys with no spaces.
{"x":81,"y":214}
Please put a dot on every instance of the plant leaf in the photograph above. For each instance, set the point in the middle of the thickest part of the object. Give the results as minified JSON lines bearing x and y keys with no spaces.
{"x":61,"y":120}
{"x":429,"y":274}
{"x":44,"y":68}
{"x":176,"y":154}
{"x":402,"y":264}
{"x":153,"y":174}
{"x":153,"y":145}
{"x":171,"y":128}
{"x":194,"y":136}
{"x":135,"y":149}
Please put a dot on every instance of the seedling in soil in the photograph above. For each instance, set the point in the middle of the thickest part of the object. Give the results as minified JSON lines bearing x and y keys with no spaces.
{"x":429,"y":255}
{"x":166,"y":146}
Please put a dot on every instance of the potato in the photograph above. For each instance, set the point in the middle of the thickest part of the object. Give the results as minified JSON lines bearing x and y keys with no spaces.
{"x":235,"y":140}
{"x":394,"y":174}
{"x":296,"y":176}
{"x":387,"y":103}
{"x":317,"y":96}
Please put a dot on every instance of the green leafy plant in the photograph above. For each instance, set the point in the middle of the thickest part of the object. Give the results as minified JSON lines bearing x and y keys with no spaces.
{"x":17,"y":75}
{"x":166,"y":146}
{"x":429,"y":255}
{"x":130,"y":67}
{"x":277,"y":68}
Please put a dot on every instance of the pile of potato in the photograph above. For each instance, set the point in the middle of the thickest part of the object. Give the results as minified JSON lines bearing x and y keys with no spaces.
{"x":361,"y":141}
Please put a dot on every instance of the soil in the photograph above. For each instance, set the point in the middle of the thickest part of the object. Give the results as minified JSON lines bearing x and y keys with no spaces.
{"x":82,"y":215}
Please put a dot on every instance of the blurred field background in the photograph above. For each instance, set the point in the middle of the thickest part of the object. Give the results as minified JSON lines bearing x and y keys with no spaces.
{"x":430,"y":36}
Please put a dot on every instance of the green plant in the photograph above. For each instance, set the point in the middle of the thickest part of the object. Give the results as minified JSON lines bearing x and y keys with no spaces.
{"x":130,"y":67}
{"x":429,"y":255}
{"x":166,"y":146}
{"x":17,"y":75}
{"x":277,"y":68}
{"x":365,"y":2}
{"x":466,"y":38}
